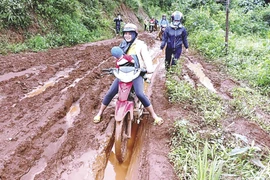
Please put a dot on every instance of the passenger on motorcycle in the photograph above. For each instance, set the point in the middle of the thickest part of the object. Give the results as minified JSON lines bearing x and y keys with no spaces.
{"x":121,"y":58}
{"x":162,"y":26}
{"x":136,"y":48}
{"x":174,"y":36}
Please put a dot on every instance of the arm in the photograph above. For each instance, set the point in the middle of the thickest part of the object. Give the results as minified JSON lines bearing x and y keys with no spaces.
{"x":164,"y":39}
{"x":145,"y":55}
{"x":125,"y":59}
{"x":184,"y":36}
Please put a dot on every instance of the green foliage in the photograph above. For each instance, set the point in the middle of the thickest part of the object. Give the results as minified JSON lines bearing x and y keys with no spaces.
{"x":248,"y":46}
{"x":249,"y":5}
{"x":37,"y":43}
{"x":214,"y":154}
{"x":203,"y":101}
{"x":15,"y":13}
{"x":210,"y":44}
{"x":133,"y":4}
{"x":249,"y":24}
{"x":200,"y":19}
{"x":205,"y":169}
{"x":249,"y":59}
{"x":59,"y":22}
{"x":246,"y":102}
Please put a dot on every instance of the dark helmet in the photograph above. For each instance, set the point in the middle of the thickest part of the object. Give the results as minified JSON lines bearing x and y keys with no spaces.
{"x":177,"y":18}
{"x":129,"y":27}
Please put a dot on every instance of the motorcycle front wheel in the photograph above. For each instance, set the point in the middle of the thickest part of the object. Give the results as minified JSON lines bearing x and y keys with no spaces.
{"x":121,"y":139}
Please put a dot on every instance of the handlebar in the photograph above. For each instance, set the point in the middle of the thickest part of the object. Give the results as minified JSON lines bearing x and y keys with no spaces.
{"x":110,"y":70}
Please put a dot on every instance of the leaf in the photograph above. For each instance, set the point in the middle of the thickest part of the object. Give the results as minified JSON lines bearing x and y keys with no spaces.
{"x":257,"y":162}
{"x":238,"y":151}
{"x":241,"y":137}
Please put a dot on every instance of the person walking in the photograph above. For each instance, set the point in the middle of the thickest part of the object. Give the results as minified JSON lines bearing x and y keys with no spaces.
{"x":138,"y":50}
{"x":175,"y":36}
{"x":146,"y":24}
{"x":118,"y":21}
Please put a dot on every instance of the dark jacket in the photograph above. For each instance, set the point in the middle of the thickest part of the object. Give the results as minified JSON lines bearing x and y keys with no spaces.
{"x":117,"y":21}
{"x":174,"y":37}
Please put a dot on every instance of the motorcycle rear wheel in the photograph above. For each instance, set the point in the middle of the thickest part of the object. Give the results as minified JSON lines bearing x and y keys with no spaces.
{"x":121,"y":139}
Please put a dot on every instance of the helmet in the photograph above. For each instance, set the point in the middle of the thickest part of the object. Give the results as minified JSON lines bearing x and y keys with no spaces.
{"x":117,"y":51}
{"x":177,"y":18}
{"x":129,"y":27}
{"x":163,"y":15}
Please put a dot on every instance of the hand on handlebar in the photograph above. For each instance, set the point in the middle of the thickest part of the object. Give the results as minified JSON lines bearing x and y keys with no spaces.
{"x":107,"y":71}
{"x":143,"y":72}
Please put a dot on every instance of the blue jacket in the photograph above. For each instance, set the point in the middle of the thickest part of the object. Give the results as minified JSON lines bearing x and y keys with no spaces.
{"x":163,"y":22}
{"x":174,"y":37}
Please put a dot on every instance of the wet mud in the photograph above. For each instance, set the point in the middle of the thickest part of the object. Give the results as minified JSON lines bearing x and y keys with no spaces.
{"x":48,"y":100}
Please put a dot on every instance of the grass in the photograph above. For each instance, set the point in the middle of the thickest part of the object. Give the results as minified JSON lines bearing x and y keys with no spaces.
{"x":201,"y":148}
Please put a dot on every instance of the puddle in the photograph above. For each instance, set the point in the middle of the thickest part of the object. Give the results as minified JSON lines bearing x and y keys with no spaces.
{"x":10,"y":75}
{"x":73,"y":112}
{"x":38,"y":168}
{"x":113,"y":168}
{"x":50,"y":82}
{"x":197,"y":69}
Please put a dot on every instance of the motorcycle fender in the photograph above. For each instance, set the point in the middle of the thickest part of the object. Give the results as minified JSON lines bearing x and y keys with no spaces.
{"x":122,"y":108}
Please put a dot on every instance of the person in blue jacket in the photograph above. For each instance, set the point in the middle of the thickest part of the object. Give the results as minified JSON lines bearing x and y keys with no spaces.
{"x":174,"y":36}
{"x":163,"y":23}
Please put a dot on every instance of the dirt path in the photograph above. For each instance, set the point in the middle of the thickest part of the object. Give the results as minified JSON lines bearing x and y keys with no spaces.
{"x":48,"y":100}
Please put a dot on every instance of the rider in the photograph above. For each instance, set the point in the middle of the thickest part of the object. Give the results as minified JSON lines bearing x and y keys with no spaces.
{"x":174,"y":36}
{"x":118,"y":21}
{"x":152,"y":23}
{"x":131,"y":45}
{"x":163,"y":23}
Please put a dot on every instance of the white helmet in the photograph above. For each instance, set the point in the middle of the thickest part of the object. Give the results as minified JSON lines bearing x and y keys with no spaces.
{"x":177,"y":18}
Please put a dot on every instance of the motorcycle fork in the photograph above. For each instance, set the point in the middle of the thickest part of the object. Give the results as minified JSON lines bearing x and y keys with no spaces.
{"x":124,"y":109}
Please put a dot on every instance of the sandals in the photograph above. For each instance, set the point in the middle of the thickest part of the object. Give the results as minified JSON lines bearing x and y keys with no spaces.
{"x":158,"y":121}
{"x":97,"y":119}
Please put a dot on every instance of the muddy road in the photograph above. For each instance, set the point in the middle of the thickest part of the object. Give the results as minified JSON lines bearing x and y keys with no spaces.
{"x":48,"y":100}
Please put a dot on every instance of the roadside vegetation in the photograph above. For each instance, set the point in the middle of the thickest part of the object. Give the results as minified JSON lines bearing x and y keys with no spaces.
{"x":203,"y":149}
{"x":49,"y":24}
{"x":200,"y":149}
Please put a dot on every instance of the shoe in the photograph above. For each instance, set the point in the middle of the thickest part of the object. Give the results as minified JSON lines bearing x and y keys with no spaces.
{"x":97,"y":119}
{"x":158,"y":121}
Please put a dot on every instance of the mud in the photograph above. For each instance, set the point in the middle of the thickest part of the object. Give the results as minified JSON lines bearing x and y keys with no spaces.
{"x":48,"y":100}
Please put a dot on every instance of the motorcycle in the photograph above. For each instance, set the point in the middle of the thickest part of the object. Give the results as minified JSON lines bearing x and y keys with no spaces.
{"x":151,"y":25}
{"x":128,"y":109}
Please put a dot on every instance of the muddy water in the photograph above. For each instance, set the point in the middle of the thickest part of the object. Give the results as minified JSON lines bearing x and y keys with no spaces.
{"x":197,"y":69}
